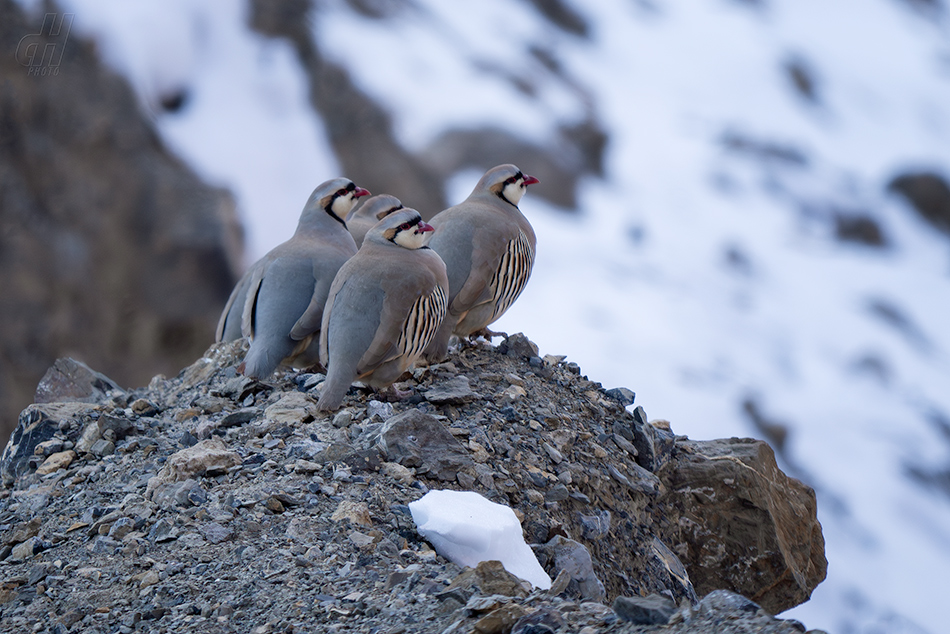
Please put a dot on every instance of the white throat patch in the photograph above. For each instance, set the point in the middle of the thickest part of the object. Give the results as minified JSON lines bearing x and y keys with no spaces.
{"x":412,"y":238}
{"x":342,"y":205}
{"x":513,"y":192}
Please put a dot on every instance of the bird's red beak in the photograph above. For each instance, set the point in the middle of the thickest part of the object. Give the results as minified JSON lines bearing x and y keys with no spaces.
{"x":423,"y":227}
{"x":530,"y":180}
{"x":359,"y":191}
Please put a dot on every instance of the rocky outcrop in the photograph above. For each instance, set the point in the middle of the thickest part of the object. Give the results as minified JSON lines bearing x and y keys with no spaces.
{"x":112,"y":250}
{"x":722,"y":495}
{"x":234,"y":503}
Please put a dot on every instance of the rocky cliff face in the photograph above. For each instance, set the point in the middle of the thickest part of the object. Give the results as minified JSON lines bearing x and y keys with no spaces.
{"x":111,"y":249}
{"x":235,"y":506}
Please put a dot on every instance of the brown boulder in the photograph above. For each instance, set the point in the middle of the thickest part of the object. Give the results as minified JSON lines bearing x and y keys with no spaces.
{"x":740,"y":523}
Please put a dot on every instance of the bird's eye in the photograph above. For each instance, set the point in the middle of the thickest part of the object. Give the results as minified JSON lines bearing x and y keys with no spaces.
{"x":342,"y":192}
{"x":404,"y":226}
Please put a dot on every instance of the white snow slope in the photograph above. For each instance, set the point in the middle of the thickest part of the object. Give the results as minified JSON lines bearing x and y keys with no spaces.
{"x":696,"y":275}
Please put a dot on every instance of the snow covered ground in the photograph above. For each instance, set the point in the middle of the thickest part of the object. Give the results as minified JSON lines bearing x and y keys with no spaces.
{"x":698,"y":273}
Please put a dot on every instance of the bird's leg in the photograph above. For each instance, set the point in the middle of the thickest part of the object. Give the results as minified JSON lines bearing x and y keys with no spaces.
{"x":392,"y":394}
{"x":487,"y":334}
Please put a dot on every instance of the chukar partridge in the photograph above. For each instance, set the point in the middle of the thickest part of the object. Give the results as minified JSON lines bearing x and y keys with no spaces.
{"x":385,"y":304}
{"x":278,"y":303}
{"x":488,"y":248}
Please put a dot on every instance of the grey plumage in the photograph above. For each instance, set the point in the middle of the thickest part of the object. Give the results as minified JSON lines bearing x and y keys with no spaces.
{"x":278,"y":303}
{"x":488,"y":248}
{"x":384,"y":306}
{"x":368,"y":212}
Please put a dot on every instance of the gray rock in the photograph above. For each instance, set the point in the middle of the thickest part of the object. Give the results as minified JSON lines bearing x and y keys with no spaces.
{"x":455,"y":391}
{"x":517,"y":346}
{"x":378,"y":408}
{"x":169,"y":495}
{"x":69,"y":380}
{"x":120,"y":426}
{"x":557,"y":493}
{"x":654,"y":445}
{"x":595,"y":526}
{"x":121,"y":527}
{"x":36,"y":424}
{"x":90,"y":434}
{"x":216,"y":533}
{"x":566,"y":554}
{"x":307,"y":449}
{"x":240,"y":417}
{"x":623,"y":395}
{"x":650,"y":610}
{"x":26,"y":550}
{"x":105,"y":546}
{"x":163,"y":531}
{"x":416,"y":439}
{"x":102,"y":447}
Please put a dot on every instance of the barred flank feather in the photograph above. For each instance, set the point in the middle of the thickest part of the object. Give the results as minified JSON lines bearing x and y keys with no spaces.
{"x":424,"y":319}
{"x":512,"y":274}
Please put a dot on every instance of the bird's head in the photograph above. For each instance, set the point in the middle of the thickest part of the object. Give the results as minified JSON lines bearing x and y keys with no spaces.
{"x":405,"y":228}
{"x":337,"y":197}
{"x":508,"y":182}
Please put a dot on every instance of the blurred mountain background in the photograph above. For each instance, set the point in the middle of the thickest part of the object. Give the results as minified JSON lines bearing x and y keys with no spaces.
{"x":743,"y":214}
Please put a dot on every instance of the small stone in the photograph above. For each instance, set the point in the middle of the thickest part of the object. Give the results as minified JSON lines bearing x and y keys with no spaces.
{"x":621,"y":394}
{"x":274,"y":505}
{"x":48,"y":447}
{"x":343,"y":419}
{"x":595,"y":526}
{"x":143,"y":408}
{"x":120,"y":528}
{"x":455,"y":391}
{"x":353,"y":512}
{"x":517,"y":346}
{"x":102,"y":447}
{"x":90,"y":434}
{"x":571,"y":556}
{"x":499,"y":621}
{"x":216,"y":533}
{"x":466,"y":480}
{"x":361,"y":540}
{"x":557,"y":493}
{"x":553,"y":359}
{"x":306,"y":466}
{"x":378,"y":408}
{"x":150,"y":578}
{"x":534,"y":496}
{"x":514,"y":379}
{"x":654,"y":609}
{"x":513,"y":394}
{"x":105,"y":546}
{"x":240,"y":417}
{"x":416,"y":439}
{"x":56,"y":461}
{"x":555,"y":455}
{"x":397,"y":472}
{"x":26,"y":550}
